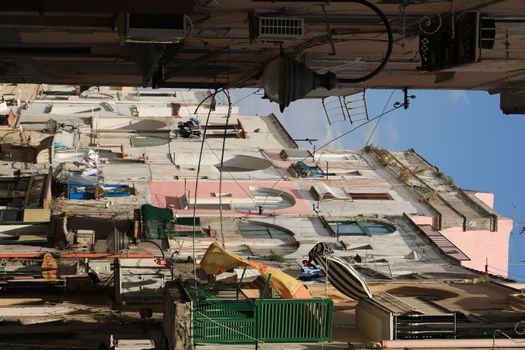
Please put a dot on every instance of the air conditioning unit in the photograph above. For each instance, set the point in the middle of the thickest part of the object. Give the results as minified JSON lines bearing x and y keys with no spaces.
{"x":280,"y":28}
{"x":155,"y":28}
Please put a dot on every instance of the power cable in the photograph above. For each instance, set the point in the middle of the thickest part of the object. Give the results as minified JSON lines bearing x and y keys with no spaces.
{"x":522,"y":277}
{"x":238,"y":332}
{"x":209,"y":146}
{"x":380,"y":118}
{"x":366,"y":144}
{"x":197,"y":184}
{"x":227,"y":94}
{"x":337,"y":138}
{"x":388,"y":29}
{"x":248,"y":95}
{"x":229,"y":173}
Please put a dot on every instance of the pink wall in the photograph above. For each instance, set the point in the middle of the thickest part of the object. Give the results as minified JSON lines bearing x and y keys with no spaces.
{"x":481,"y":246}
{"x":165,"y":193}
{"x":422,"y":220}
{"x":486,"y":197}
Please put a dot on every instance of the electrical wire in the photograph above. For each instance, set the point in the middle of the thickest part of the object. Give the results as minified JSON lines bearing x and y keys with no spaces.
{"x":227,"y":94}
{"x":259,"y":341}
{"x":197,"y":183}
{"x":522,"y":277}
{"x":155,"y":244}
{"x":209,"y":146}
{"x":390,"y":43}
{"x":380,"y":118}
{"x":335,"y":139}
{"x":245,"y":97}
{"x":229,"y":173}
{"x":366,"y":144}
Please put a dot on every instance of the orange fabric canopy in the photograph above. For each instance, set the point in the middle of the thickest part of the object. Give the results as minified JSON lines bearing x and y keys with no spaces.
{"x":216,"y":260}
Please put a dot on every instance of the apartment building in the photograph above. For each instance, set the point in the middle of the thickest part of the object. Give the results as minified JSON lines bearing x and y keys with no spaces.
{"x":155,"y":177}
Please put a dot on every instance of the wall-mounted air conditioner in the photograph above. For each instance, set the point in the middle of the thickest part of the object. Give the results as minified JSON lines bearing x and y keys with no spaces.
{"x":280,"y":28}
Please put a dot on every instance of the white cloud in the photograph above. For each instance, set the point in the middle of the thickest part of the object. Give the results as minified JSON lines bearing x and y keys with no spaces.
{"x":329,"y":135}
{"x":457,"y":96}
{"x":391,"y":134}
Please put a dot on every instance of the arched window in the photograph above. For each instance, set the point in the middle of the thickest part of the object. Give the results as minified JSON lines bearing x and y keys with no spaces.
{"x":272,"y":199}
{"x":256,"y":230}
{"x":263,"y":231}
{"x":267,"y":199}
{"x":360,"y":228}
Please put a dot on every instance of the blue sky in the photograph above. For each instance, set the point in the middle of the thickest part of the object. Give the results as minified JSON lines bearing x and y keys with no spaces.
{"x":463,"y":133}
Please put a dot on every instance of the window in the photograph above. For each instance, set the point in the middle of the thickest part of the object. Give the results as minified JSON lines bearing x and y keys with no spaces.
{"x":306,"y":171}
{"x":219,"y":126}
{"x":7,"y":215}
{"x":371,"y":196}
{"x":269,"y":251}
{"x":229,"y":135}
{"x":360,"y":228}
{"x":212,"y":206}
{"x":334,"y":157}
{"x":260,"y":231}
{"x":291,"y":153}
{"x":221,"y":194}
{"x":272,"y":199}
{"x":346,"y":228}
{"x":321,"y":192}
{"x":268,"y":199}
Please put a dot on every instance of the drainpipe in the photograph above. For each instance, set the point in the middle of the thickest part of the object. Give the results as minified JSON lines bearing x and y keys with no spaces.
{"x":453,"y":344}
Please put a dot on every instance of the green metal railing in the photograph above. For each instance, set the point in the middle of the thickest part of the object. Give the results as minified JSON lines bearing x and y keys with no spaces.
{"x":294,"y":320}
{"x":223,"y":321}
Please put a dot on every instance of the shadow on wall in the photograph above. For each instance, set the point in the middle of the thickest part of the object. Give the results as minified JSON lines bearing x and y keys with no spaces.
{"x":418,"y":291}
{"x":172,"y":202}
{"x":102,"y":226}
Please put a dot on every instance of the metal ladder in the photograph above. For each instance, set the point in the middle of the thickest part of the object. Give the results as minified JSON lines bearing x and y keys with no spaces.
{"x":340,"y":108}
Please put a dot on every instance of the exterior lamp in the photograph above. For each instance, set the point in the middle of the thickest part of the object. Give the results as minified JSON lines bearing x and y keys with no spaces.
{"x":286,"y":80}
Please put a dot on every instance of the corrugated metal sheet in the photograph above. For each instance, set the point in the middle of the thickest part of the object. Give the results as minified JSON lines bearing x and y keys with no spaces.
{"x":392,"y":304}
{"x":444,"y":244}
{"x":423,"y":306}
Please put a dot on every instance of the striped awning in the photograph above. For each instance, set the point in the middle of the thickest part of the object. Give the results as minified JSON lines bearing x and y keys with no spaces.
{"x":339,"y":272}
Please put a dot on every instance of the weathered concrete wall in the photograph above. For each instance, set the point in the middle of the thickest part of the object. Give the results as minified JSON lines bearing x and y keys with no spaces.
{"x":177,"y":319}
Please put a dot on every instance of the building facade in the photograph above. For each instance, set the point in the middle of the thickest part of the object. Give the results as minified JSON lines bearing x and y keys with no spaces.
{"x":152,"y":178}
{"x":215,"y":44}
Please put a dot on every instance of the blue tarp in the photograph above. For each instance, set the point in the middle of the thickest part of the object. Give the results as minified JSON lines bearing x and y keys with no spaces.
{"x":80,"y":191}
{"x":304,"y":170}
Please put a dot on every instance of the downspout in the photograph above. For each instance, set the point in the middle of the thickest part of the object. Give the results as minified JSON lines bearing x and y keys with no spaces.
{"x":453,"y":344}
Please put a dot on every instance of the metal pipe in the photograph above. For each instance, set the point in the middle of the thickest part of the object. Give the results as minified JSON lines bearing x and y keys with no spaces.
{"x":452,"y":343}
{"x":383,"y":18}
